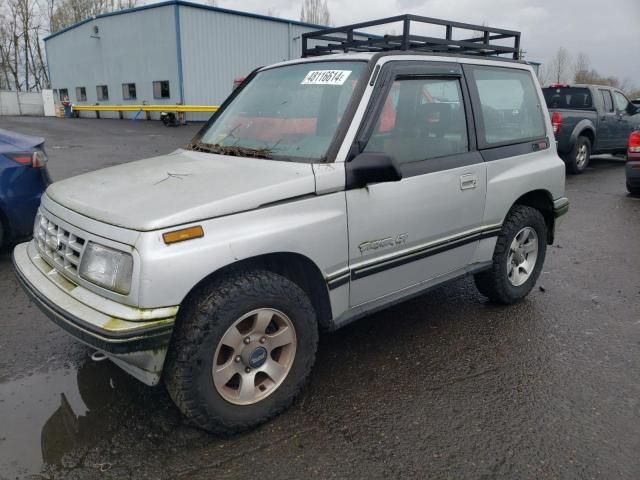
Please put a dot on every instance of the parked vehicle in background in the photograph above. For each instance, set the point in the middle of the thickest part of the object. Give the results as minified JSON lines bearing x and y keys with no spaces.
{"x":588,"y":120}
{"x":636,"y":101}
{"x":23,"y":180}
{"x":321,"y":191}
{"x":632,"y":167}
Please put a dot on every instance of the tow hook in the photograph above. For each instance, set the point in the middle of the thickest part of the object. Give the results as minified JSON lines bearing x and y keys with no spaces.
{"x":98,"y":356}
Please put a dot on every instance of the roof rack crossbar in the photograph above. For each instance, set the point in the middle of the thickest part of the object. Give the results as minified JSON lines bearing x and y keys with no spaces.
{"x":350,"y":38}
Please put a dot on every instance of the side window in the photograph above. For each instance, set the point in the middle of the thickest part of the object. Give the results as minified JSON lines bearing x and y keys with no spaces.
{"x":621,"y":102}
{"x":510,"y":106}
{"x":608,"y":101}
{"x":421,"y":119}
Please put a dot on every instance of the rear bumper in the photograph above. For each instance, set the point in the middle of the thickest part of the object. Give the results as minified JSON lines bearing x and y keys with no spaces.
{"x":139,"y":347}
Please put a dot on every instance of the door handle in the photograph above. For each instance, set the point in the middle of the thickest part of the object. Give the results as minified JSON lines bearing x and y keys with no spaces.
{"x":468,"y":181}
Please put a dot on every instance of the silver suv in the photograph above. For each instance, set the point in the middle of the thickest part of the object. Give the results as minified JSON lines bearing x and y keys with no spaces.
{"x":323,"y":189}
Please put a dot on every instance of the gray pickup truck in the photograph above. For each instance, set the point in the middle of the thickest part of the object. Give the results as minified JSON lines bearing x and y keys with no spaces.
{"x":590,"y":119}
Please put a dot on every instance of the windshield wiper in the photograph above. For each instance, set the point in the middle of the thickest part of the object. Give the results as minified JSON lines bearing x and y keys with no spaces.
{"x":232,"y":150}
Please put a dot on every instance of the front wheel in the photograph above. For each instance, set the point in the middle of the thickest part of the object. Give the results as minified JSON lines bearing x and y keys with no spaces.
{"x":243,"y":347}
{"x":517,"y":258}
{"x":578,"y":159}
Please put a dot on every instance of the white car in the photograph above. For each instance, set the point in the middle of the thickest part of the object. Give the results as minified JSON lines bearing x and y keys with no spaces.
{"x":324,"y":189}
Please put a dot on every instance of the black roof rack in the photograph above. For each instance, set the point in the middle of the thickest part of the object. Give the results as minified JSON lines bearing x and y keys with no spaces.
{"x":347,"y":39}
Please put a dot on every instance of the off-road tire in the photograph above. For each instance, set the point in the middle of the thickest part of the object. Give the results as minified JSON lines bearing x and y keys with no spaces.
{"x":494,"y":283}
{"x":204,"y":318}
{"x":633,"y":190}
{"x":571,"y":160}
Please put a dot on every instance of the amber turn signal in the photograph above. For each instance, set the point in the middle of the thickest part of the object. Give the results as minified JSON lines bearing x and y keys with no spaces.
{"x":183,"y":234}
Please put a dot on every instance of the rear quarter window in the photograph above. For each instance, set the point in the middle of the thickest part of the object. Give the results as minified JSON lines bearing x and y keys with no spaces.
{"x":573,"y":98}
{"x":510,"y":110}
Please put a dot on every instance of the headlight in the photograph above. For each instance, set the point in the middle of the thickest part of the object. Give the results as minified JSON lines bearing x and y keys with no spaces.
{"x":107,"y":267}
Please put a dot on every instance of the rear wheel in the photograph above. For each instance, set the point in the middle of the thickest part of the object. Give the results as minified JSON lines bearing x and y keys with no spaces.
{"x":578,"y":159}
{"x":517,"y":258}
{"x":243,"y":347}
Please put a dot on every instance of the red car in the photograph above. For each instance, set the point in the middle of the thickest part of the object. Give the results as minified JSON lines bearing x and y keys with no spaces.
{"x":633,"y":163}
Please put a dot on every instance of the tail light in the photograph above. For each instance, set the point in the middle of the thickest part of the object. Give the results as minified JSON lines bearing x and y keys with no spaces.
{"x":556,"y":121}
{"x":634,"y":143}
{"x":37,"y":159}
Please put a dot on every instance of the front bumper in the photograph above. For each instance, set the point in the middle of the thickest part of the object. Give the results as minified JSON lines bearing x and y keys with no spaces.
{"x":137,"y":346}
{"x":633,"y":173}
{"x":560,"y":207}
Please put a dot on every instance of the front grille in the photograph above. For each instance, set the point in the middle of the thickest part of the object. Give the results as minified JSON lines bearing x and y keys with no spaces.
{"x":59,"y":247}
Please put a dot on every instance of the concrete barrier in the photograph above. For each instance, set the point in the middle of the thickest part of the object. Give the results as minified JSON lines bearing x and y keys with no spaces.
{"x":21,"y":103}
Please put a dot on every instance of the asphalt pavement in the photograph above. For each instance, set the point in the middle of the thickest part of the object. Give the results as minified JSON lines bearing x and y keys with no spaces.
{"x":444,"y":386}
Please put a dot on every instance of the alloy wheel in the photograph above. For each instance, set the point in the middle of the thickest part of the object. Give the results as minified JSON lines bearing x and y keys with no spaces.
{"x":254,"y":356}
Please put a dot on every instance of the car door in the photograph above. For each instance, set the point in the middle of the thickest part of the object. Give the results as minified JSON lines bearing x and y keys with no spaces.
{"x":607,"y":123}
{"x":625,"y":121}
{"x":427,"y":224}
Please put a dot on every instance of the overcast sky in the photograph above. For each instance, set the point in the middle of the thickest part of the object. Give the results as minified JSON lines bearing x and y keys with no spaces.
{"x":607,"y":31}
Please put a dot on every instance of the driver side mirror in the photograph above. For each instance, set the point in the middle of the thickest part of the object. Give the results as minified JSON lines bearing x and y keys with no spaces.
{"x":372,"y":167}
{"x":632,"y":109}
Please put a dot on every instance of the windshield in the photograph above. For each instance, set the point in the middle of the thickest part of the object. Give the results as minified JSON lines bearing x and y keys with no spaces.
{"x":284,"y":113}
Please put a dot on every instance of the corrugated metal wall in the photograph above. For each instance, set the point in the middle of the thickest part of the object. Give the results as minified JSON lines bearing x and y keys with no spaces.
{"x":218,"y":47}
{"x":137,"y":47}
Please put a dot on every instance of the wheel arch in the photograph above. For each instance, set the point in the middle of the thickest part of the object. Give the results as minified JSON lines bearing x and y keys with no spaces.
{"x":296,"y":267}
{"x":584,"y":128}
{"x":541,"y":200}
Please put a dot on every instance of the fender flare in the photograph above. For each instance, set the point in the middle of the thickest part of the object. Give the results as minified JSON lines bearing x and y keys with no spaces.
{"x":581,"y":127}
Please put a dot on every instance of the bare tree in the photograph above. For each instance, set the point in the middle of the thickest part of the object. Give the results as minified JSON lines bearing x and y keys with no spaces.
{"x":68,"y":12}
{"x":582,"y":69}
{"x":543,"y":75}
{"x":315,"y":11}
{"x":560,"y":65}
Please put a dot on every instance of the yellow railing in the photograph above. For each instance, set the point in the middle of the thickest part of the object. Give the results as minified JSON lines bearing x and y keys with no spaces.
{"x":145,"y":108}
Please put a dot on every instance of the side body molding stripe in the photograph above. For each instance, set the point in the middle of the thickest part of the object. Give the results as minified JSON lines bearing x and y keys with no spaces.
{"x":361,"y":271}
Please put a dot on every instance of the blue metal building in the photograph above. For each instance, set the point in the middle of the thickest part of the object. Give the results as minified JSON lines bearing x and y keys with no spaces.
{"x":168,"y":52}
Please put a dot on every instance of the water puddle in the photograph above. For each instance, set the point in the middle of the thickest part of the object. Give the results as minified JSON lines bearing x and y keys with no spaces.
{"x":45,"y":416}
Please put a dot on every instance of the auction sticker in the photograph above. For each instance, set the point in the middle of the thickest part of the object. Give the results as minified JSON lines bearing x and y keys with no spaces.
{"x":326,"y":77}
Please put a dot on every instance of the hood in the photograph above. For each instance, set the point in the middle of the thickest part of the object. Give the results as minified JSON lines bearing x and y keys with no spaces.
{"x":180,"y":188}
{"x":11,"y":141}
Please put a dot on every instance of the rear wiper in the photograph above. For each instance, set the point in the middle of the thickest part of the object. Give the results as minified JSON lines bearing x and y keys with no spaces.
{"x":232,"y":150}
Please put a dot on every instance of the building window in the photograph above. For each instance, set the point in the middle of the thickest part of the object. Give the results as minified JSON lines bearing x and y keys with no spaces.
{"x":128,"y":91}
{"x":161,"y":89}
{"x":81,"y":94}
{"x":102,"y":92}
{"x":63,"y":93}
